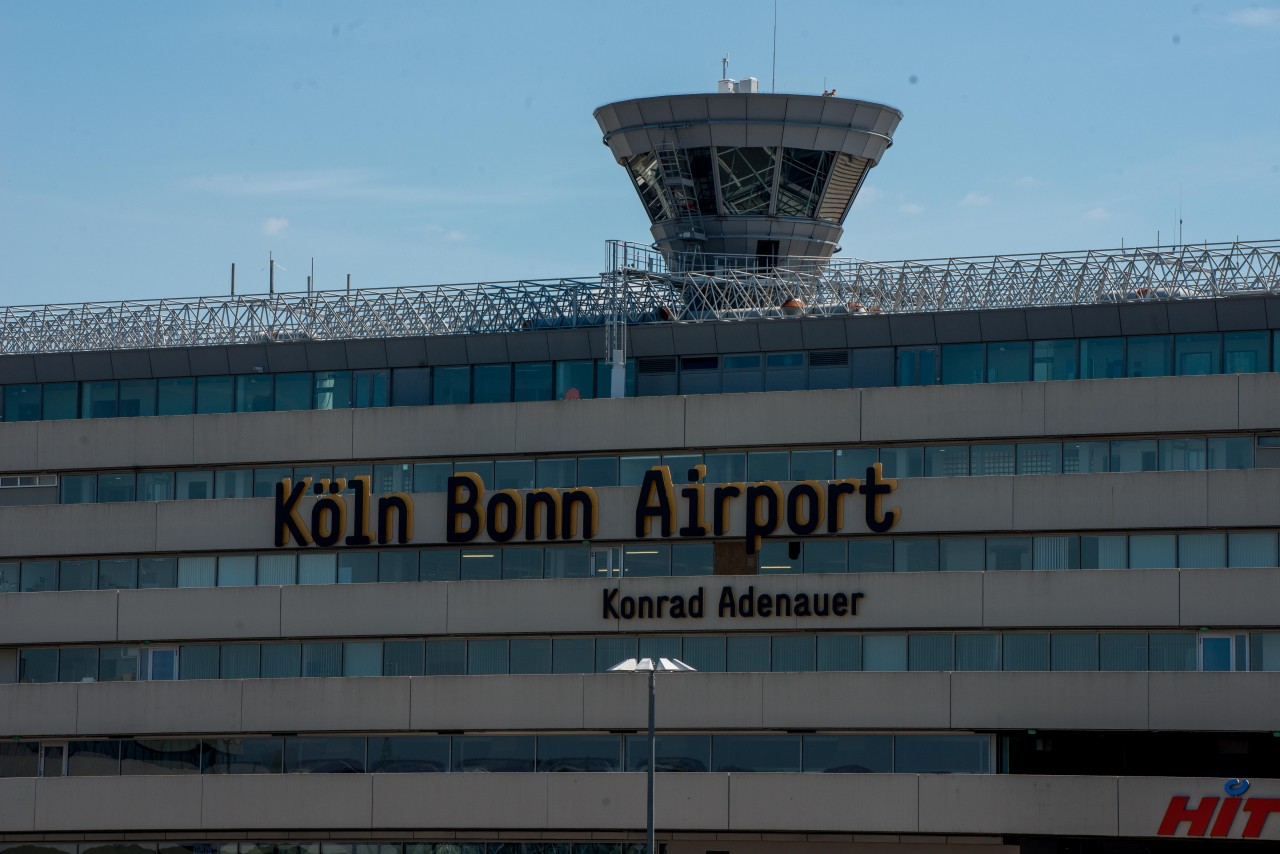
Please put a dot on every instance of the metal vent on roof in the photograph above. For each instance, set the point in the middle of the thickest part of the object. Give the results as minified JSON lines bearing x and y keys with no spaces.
{"x":657,"y":365}
{"x":829,"y":358}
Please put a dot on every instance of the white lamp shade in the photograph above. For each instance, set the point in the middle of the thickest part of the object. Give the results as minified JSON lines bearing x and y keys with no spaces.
{"x":632,"y":665}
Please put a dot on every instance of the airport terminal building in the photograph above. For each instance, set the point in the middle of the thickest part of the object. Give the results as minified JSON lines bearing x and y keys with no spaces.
{"x":974,"y":555}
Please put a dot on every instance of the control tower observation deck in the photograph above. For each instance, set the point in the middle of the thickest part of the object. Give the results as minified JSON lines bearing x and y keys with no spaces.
{"x":746,"y":175}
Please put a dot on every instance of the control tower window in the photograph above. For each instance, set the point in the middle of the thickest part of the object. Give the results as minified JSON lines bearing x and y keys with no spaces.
{"x":746,"y":179}
{"x":648,"y":180}
{"x":803,"y":174}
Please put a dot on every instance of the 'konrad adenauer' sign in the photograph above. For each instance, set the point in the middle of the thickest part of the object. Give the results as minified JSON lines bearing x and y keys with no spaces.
{"x":756,"y":510}
{"x":731,"y":603}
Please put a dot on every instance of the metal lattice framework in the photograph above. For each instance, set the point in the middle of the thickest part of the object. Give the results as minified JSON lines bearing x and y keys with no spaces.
{"x":640,"y":286}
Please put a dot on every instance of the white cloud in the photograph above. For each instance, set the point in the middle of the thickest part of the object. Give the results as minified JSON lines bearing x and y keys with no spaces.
{"x":911,"y":208}
{"x":1255,"y":16}
{"x":1098,"y":213}
{"x":975,"y":200}
{"x":275,"y":225}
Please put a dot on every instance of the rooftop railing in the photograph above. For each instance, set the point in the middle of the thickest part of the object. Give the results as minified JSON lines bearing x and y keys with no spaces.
{"x":642,"y":286}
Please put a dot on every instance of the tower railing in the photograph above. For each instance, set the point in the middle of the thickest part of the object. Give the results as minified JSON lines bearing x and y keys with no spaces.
{"x":640,"y":288}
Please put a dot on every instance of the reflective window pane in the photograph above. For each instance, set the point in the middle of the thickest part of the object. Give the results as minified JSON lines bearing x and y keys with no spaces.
{"x":746,"y":179}
{"x":492,"y":383}
{"x":1149,"y":356}
{"x":533,"y":381}
{"x":496,"y":753}
{"x":755,"y":753}
{"x":452,"y":385}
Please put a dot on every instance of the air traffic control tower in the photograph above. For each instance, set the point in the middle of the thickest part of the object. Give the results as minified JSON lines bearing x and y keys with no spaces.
{"x":742,"y":178}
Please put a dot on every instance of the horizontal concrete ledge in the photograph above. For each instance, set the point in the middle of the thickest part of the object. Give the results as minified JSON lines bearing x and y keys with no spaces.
{"x":925,"y":701}
{"x":933,"y":804}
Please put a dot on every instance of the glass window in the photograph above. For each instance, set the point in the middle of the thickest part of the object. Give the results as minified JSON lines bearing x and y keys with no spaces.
{"x":98,"y":399}
{"x":439,"y":564}
{"x":1182,"y":454}
{"x":357,"y":567}
{"x":530,"y":655}
{"x":238,"y":661}
{"x":1231,"y":452}
{"x":631,"y":469}
{"x":1152,"y":551}
{"x":160,"y":756}
{"x":1134,"y":455}
{"x":115,"y":487}
{"x":281,"y":660}
{"x":575,"y":380}
{"x":234,"y":483}
{"x":768,"y":465}
{"x":1009,"y":553}
{"x":839,"y":653}
{"x":38,"y":575}
{"x":598,"y":471}
{"x":942,"y":754}
{"x":1085,"y":457}
{"x":327,"y":755}
{"x":487,"y":656}
{"x":566,"y":562}
{"x":452,"y":385}
{"x":404,"y":658}
{"x":1110,"y":551}
{"x":962,"y":363}
{"x":1039,"y":458}
{"x":77,"y":575}
{"x":60,"y":401}
{"x":917,"y":366}
{"x":915,"y":555}
{"x":854,"y":462}
{"x":243,"y":756}
{"x":1171,"y":651}
{"x":961,"y":554}
{"x":1102,"y":358}
{"x":1055,"y":552}
{"x":775,"y":559}
{"x":332,"y":390}
{"x":573,"y":655}
{"x":118,"y":574}
{"x":726,"y":467}
{"x":986,"y":460}
{"x":265,"y":480}
{"x":214,"y":394}
{"x":155,"y":486}
{"x":118,"y":664}
{"x":481,"y":564}
{"x":867,"y":555}
{"x":533,"y":381}
{"x":1074,"y":651}
{"x":884,"y":652}
{"x":317,"y":569}
{"x":93,"y":758}
{"x":198,"y":661}
{"x":1122,"y":651}
{"x":747,"y":654}
{"x":78,"y":488}
{"x":784,"y":372}
{"x":561,"y":473}
{"x":369,"y":388}
{"x":408,"y":753}
{"x":742,"y":374}
{"x":446,"y":657}
{"x":1245,"y":352}
{"x":362,"y":658}
{"x":38,"y":665}
{"x":78,"y":664}
{"x":1202,"y":551}
{"x":1149,"y":356}
{"x":646,"y":559}
{"x":946,"y":461}
{"x":401,"y":565}
{"x":410,"y":386}
{"x":692,"y":559}
{"x":777,"y":753}
{"x":746,"y":179}
{"x":255,"y":393}
{"x":513,"y":474}
{"x":978,"y":651}
{"x":660,"y":646}
{"x":392,"y":477}
{"x":671,"y":752}
{"x":237,"y":570}
{"x":825,"y":556}
{"x":871,"y":367}
{"x":1008,"y":362}
{"x":802,"y":176}
{"x":704,"y":652}
{"x":1197,"y":354}
{"x":176,"y":396}
{"x":522,"y":563}
{"x":1247,"y":548}
{"x":431,"y":477}
{"x":191,"y":485}
{"x":812,"y":465}
{"x":157,"y":572}
{"x":22,"y":402}
{"x":1264,"y":654}
{"x":497,"y":753}
{"x":292,"y":391}
{"x":900,"y":462}
{"x":321,"y":659}
{"x":1054,"y":360}
{"x":933,"y":651}
{"x":1026,"y":651}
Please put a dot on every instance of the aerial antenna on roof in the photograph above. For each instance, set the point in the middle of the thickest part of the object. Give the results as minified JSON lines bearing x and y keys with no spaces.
{"x":724,"y":67}
{"x":773,"y":82}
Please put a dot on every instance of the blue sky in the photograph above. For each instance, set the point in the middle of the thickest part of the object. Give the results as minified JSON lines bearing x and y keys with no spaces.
{"x":144,"y":146}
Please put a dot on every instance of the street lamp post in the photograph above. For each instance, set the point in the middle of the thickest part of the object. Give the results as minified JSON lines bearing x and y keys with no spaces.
{"x":650,"y":666}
